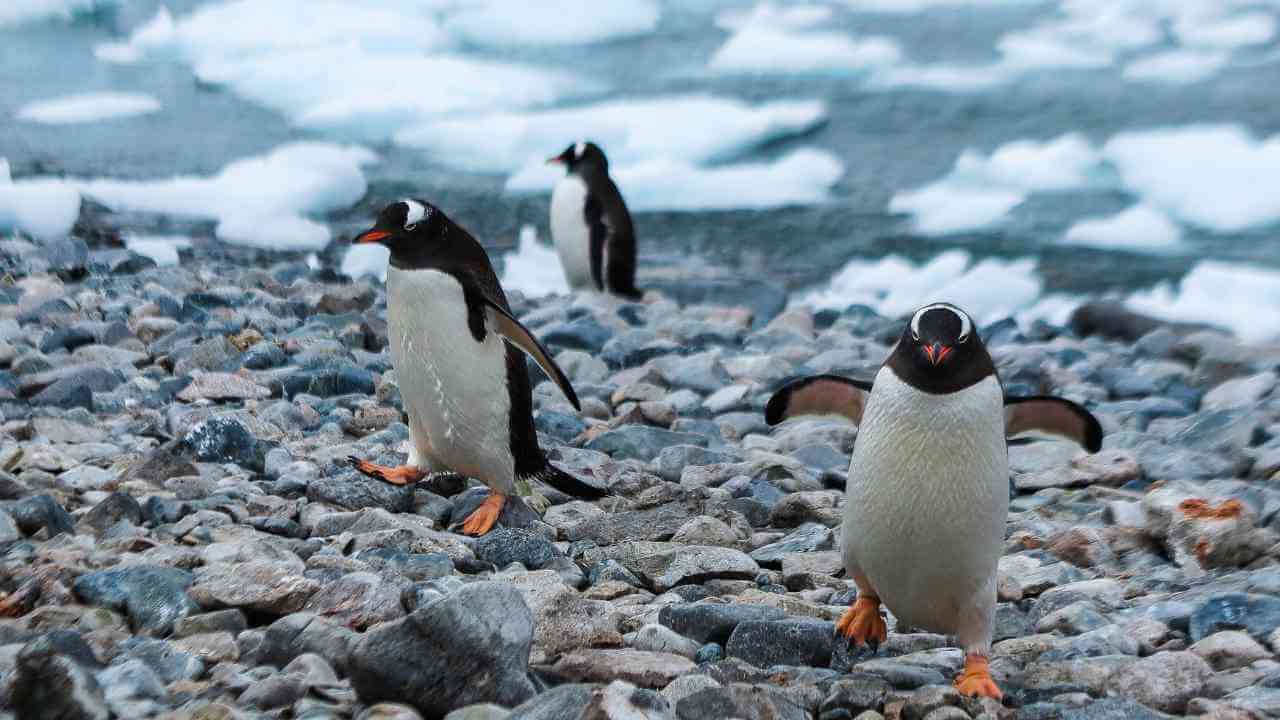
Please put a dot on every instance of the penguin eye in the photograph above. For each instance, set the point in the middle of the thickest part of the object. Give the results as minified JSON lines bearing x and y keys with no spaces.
{"x":963,"y":338}
{"x":411,"y":227}
{"x":915,"y":336}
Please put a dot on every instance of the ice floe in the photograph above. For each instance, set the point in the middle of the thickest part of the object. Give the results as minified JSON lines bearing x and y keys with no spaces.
{"x":88,"y":107}
{"x":533,"y":268}
{"x":989,"y":289}
{"x":161,"y":248}
{"x":43,"y":207}
{"x":1217,"y":177}
{"x":775,"y":39}
{"x":1177,"y":66}
{"x":697,"y":128}
{"x":1243,"y":298}
{"x":801,"y":177}
{"x":362,"y":67}
{"x":567,"y":22}
{"x":1140,"y":228}
{"x":365,"y":260}
{"x":258,"y":201}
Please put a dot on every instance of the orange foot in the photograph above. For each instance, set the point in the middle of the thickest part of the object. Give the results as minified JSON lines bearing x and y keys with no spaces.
{"x":862,"y":624}
{"x":976,"y":680}
{"x":482,"y":520}
{"x":402,"y":475}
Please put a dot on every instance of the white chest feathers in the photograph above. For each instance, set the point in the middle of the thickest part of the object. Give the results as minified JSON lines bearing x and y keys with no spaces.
{"x":927,"y":498}
{"x":454,"y":388}
{"x":570,"y":233}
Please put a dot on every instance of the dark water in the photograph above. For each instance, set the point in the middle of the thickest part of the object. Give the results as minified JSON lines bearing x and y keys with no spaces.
{"x":889,"y":140}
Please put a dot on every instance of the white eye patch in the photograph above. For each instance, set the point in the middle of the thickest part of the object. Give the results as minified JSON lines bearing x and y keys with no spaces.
{"x":966,"y":325}
{"x":416,"y":214}
{"x":579,"y":149}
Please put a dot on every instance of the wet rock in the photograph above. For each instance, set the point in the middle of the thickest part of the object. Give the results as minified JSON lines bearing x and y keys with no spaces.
{"x":358,"y":600}
{"x":153,"y":597}
{"x":504,"y":546}
{"x":713,"y":622}
{"x":740,"y":700}
{"x":41,"y":512}
{"x":468,"y":647}
{"x":51,"y":686}
{"x":224,"y":439}
{"x":1165,"y":681}
{"x":303,"y":633}
{"x":564,"y":620}
{"x":356,"y":492}
{"x":259,"y":585}
{"x":638,"y":667}
{"x":1258,"y":615}
{"x":115,"y":508}
{"x":782,"y":642}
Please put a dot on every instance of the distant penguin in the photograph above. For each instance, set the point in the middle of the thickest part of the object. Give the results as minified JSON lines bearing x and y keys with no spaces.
{"x":590,"y":225}
{"x":458,"y":355}
{"x":928,"y":489}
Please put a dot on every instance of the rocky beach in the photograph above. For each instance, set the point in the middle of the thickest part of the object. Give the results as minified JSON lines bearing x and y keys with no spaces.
{"x":181,"y":535}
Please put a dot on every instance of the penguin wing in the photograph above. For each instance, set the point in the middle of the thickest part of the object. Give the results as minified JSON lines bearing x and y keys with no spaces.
{"x":1052,"y":415}
{"x":819,"y":395}
{"x":519,"y":335}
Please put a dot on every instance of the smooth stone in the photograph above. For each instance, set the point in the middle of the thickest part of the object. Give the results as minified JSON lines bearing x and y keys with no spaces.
{"x":154,"y":597}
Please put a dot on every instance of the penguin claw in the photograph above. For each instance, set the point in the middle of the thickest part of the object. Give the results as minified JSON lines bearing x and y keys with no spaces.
{"x":402,"y":475}
{"x":862,"y":623}
{"x":484,"y":517}
{"x":976,"y":680}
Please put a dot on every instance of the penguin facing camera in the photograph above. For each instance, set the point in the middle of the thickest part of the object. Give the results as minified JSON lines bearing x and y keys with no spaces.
{"x":459,"y":357}
{"x":590,"y":225}
{"x":928,"y":489}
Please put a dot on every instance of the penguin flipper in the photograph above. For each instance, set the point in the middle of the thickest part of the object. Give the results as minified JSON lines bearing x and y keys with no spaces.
{"x":568,"y":484}
{"x":598,"y":235}
{"x":818,"y":395}
{"x":518,"y":335}
{"x":1055,"y":416}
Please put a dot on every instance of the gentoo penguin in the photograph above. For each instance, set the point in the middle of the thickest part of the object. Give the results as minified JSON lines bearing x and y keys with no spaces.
{"x":457,"y":352}
{"x":928,"y":490}
{"x":590,"y":224}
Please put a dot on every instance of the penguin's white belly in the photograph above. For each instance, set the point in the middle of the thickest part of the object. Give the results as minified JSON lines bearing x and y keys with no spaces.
{"x":570,"y":233}
{"x":454,"y":389}
{"x":927,"y":502}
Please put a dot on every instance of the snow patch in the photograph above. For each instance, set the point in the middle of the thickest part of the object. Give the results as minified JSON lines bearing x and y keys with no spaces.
{"x":696,"y":128}
{"x":1139,"y":228}
{"x":42,"y":207}
{"x":88,"y":107}
{"x":533,"y":268}
{"x":1242,"y":298}
{"x":258,"y":201}
{"x":783,"y":40}
{"x":501,"y":23}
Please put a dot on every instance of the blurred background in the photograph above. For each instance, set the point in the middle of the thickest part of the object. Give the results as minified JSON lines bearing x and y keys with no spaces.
{"x":1013,"y":156}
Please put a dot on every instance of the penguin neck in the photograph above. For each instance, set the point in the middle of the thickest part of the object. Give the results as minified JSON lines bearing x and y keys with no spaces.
{"x":965,"y":370}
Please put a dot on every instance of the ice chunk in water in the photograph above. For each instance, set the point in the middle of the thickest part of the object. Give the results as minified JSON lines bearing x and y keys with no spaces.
{"x":1140,"y":227}
{"x":533,"y":268}
{"x":782,"y":40}
{"x":88,"y":107}
{"x":500,"y":23}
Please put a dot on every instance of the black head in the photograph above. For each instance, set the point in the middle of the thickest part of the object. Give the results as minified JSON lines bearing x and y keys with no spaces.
{"x":419,"y":236}
{"x":940,"y":351}
{"x":582,"y":156}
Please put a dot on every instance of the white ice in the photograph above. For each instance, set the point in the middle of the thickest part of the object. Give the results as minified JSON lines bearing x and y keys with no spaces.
{"x":161,"y":248}
{"x":501,"y":23}
{"x":13,"y":12}
{"x":88,"y":107}
{"x":117,"y":53}
{"x":776,"y":39}
{"x":1140,"y":227}
{"x":1218,"y":177}
{"x":915,"y":6}
{"x":364,"y":67}
{"x":42,"y":207}
{"x":1177,"y":66}
{"x":257,"y":201}
{"x":988,"y":289}
{"x":802,"y":177}
{"x":697,"y":128}
{"x":981,"y":189}
{"x":533,"y":268}
{"x":1242,"y":298}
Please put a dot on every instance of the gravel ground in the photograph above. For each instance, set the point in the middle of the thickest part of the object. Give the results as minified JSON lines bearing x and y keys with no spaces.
{"x":180,"y":536}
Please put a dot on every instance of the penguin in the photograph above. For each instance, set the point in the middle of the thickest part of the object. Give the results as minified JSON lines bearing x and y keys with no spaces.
{"x":459,"y":357}
{"x":928,"y":489}
{"x":590,"y":225}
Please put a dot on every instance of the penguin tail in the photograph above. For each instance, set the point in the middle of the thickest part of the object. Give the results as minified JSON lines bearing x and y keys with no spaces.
{"x":568,"y":484}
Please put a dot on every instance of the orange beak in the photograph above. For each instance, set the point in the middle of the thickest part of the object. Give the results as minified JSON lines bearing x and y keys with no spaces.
{"x":555,"y":160}
{"x":936,"y":353}
{"x":372,"y":236}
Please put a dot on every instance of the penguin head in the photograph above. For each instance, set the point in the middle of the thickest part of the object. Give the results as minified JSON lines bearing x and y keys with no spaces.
{"x":582,"y":155}
{"x":404,"y":225}
{"x":940,"y":351}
